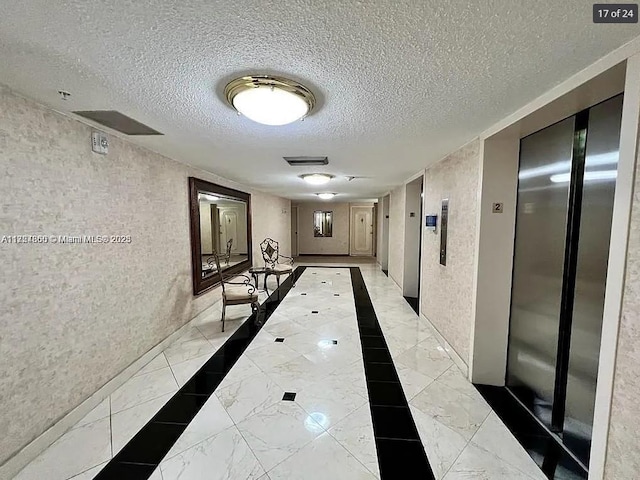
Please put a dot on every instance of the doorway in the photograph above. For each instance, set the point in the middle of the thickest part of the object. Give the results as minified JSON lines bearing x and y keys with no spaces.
{"x":567,"y":178}
{"x":412,"y":243}
{"x":361,"y":237}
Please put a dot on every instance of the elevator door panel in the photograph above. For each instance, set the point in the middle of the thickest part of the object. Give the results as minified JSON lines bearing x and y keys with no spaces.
{"x":603,"y":140}
{"x":538,"y":265}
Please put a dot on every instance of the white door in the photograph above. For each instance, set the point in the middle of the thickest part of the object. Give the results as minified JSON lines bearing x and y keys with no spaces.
{"x":228,"y":229}
{"x":361,"y":230}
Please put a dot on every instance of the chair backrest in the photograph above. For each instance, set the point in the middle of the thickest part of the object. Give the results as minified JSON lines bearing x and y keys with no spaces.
{"x":216,"y":260}
{"x":229,"y":244}
{"x":269,"y":248}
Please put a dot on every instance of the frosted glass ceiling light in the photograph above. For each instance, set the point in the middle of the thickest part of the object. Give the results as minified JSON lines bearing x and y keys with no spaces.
{"x":270,"y":100}
{"x":326,"y":196}
{"x":316,"y":178}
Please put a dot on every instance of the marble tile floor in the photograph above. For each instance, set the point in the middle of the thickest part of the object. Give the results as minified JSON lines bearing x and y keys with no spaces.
{"x":245,"y":430}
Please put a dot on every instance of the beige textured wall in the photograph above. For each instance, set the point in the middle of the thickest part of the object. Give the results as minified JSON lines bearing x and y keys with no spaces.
{"x":447,"y":292}
{"x":338,"y":244}
{"x":396,"y":234}
{"x":270,"y":217}
{"x":73,"y":316}
{"x":624,"y":435}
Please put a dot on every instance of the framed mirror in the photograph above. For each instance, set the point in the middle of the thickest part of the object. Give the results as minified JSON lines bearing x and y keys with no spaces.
{"x":220,"y":222}
{"x":322,"y":224}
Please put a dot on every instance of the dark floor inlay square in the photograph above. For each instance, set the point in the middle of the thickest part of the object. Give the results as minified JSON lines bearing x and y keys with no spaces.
{"x":303,"y":294}
{"x":335,"y":342}
{"x":279,"y":340}
{"x":289,"y":396}
{"x":314,"y":311}
{"x":324,"y":282}
{"x":336,"y":294}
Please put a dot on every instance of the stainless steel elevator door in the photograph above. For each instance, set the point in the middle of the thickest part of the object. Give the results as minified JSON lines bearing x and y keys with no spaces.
{"x":603,"y":140}
{"x":538,"y":265}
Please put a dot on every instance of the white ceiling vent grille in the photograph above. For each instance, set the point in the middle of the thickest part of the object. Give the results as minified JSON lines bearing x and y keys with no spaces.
{"x":306,"y":161}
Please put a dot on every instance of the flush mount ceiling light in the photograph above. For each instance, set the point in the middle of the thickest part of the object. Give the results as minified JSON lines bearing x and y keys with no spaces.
{"x":316,"y":178}
{"x":326,"y":196}
{"x":270,"y":100}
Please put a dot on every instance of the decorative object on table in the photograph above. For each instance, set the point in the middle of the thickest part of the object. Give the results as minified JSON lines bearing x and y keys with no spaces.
{"x":271,"y":255}
{"x":235,"y":293}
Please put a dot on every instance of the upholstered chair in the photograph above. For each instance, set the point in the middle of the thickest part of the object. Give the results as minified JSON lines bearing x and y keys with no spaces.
{"x":235,"y":293}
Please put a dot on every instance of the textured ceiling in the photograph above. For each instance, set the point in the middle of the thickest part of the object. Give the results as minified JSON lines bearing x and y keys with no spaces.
{"x":400,"y":83}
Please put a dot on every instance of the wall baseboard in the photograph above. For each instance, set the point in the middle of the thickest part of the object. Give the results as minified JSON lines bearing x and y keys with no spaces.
{"x":323,"y":255}
{"x":457,"y":359}
{"x":27,"y":454}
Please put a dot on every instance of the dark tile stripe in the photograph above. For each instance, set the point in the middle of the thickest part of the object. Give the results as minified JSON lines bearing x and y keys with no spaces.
{"x":400,"y":450}
{"x":140,"y":457}
{"x":552,"y":458}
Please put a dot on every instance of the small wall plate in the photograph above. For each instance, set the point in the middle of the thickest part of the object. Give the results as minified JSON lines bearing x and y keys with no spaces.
{"x":99,"y":143}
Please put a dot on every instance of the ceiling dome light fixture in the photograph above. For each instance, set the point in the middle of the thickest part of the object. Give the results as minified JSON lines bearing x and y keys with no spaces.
{"x":270,"y":100}
{"x":326,"y":196}
{"x":316,"y":178}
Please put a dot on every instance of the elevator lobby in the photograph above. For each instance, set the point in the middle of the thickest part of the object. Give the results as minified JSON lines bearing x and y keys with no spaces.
{"x":319,"y":240}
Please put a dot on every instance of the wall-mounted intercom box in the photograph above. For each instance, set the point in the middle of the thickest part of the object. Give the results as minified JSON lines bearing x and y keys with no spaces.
{"x":431,"y":222}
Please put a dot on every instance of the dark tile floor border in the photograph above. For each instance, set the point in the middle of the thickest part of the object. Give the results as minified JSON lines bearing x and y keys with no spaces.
{"x":139,"y":458}
{"x":552,"y":458}
{"x":400,"y":450}
{"x":413,"y":303}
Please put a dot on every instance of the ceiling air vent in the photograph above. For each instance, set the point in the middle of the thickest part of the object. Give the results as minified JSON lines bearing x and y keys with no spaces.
{"x":306,"y":161}
{"x":118,"y":121}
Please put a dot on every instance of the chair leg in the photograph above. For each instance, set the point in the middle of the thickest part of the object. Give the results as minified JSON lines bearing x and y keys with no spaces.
{"x":278,"y":280}
{"x":224,"y":311}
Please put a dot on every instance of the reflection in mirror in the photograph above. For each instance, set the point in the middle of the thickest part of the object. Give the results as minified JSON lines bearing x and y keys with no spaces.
{"x":221,"y":223}
{"x":322,"y":224}
{"x":223,"y":228}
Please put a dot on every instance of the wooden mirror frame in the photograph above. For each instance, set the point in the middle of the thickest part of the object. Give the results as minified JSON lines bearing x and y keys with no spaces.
{"x":202,"y":285}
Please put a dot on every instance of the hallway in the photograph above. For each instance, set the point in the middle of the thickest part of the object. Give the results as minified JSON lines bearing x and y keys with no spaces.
{"x":319,"y":240}
{"x":246,"y":429}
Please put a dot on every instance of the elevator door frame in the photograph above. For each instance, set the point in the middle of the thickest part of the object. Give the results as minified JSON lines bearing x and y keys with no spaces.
{"x":570,"y":264}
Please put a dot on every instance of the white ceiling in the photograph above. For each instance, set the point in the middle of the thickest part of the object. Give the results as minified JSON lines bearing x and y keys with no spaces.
{"x":400,"y":83}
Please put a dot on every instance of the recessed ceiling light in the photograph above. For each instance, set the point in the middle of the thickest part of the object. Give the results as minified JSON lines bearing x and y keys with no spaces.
{"x":270,"y":100}
{"x":326,"y":196}
{"x":317,"y":178}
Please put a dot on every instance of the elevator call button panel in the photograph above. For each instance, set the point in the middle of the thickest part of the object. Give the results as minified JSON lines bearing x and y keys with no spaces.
{"x":444,"y":221}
